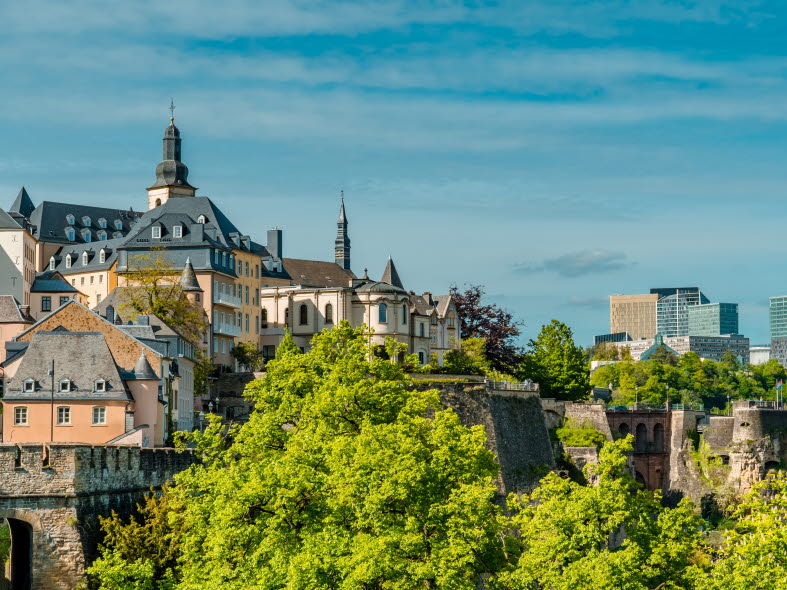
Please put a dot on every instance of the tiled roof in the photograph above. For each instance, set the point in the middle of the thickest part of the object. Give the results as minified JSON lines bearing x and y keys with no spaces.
{"x":314,"y":273}
{"x":51,"y":281}
{"x":23,"y":204}
{"x":10,"y":312}
{"x":7,"y":222}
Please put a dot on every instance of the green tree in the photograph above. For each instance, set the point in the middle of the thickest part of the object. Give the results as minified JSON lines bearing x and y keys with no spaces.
{"x":344,"y":477}
{"x":556,"y":363}
{"x":248,"y":355}
{"x":469,"y":359}
{"x":570,"y":534}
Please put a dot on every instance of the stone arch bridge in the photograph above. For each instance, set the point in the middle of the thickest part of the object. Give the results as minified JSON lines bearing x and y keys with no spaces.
{"x":52,"y":495}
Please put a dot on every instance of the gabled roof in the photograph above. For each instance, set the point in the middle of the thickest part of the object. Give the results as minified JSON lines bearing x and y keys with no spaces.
{"x":390,"y":275}
{"x":8,"y":222}
{"x":313,"y":273}
{"x":80,"y":357}
{"x":50,"y":221}
{"x":94,"y":260}
{"x":51,"y":281}
{"x":443,"y":303}
{"x":23,"y":204}
{"x":10,"y":312}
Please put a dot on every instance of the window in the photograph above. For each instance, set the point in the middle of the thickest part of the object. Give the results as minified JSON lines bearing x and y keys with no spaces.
{"x":247,"y":269}
{"x":240,"y":320}
{"x":286,"y":317}
{"x":247,"y":322}
{"x":434,"y":319}
{"x":102,"y":223}
{"x":52,"y":263}
{"x":247,"y":294}
{"x":71,"y":234}
{"x":86,"y":235}
{"x":257,"y":271}
{"x":156,"y":229}
{"x":215,"y":345}
{"x":20,"y":416}
{"x":70,"y":219}
{"x":264,"y":318}
{"x":84,"y":258}
{"x":216,"y":256}
{"x":46,"y":303}
{"x":91,"y":279}
{"x":177,"y":231}
{"x":64,"y":386}
{"x":98,"y":295}
{"x":329,"y":314}
{"x":86,"y":221}
{"x":256,"y":324}
{"x":63,"y":300}
{"x":117,"y":234}
{"x":102,"y":235}
{"x":29,"y":386}
{"x":158,"y":202}
{"x":383,"y":313}
{"x":451,"y":321}
{"x":68,"y":261}
{"x":118,"y":224}
{"x":82,"y":281}
{"x":102,"y":256}
{"x":73,"y":282}
{"x":99,"y":415}
{"x":100,"y":386}
{"x":202,"y":219}
{"x":100,"y":278}
{"x":63,"y":415}
{"x":404,"y":314}
{"x":421,"y":357}
{"x":303,"y":314}
{"x":196,"y":297}
{"x":224,"y":259}
{"x":256,"y":296}
{"x":421,"y":329}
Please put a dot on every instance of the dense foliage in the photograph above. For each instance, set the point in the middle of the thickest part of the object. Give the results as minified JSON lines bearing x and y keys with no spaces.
{"x":687,"y":379}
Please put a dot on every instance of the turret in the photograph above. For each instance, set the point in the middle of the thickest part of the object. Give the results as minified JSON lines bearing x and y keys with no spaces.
{"x":171,"y":174}
{"x":342,"y":243}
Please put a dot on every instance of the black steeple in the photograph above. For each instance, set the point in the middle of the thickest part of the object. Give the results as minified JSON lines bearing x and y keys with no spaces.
{"x":342,"y":240}
{"x":390,"y":275}
{"x":23,"y":204}
{"x":171,"y":171}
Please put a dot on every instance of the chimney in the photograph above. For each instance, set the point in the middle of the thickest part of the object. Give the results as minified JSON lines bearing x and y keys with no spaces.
{"x":110,"y":314}
{"x":24,"y":310}
{"x":143,"y":320}
{"x":275,"y":243}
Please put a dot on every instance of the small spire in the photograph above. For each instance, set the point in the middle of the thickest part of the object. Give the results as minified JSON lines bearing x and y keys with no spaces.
{"x":390,"y":275}
{"x":143,"y":370}
{"x":188,"y":279}
{"x":171,"y":110}
{"x":365,"y":274}
{"x":342,"y":214}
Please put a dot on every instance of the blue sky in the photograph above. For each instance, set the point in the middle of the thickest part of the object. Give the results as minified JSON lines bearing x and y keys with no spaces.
{"x":555,"y":152}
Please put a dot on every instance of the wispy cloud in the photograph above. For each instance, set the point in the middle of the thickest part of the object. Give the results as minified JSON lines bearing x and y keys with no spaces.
{"x":578,"y":264}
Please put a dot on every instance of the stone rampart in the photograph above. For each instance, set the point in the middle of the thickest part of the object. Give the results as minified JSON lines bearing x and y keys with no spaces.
{"x":719,"y":431}
{"x":594,"y":415}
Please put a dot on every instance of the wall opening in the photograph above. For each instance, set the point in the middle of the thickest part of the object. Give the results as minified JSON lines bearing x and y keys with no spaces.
{"x":771,"y":467}
{"x":641,"y":437}
{"x":16,"y":553}
{"x":658,"y":438}
{"x":623,"y":429}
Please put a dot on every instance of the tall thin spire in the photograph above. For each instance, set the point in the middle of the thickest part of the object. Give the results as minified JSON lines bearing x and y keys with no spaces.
{"x":390,"y":275}
{"x":342,"y":244}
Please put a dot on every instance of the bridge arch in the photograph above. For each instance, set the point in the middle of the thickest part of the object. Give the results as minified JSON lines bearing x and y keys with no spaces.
{"x":22,"y":525}
{"x":641,"y":437}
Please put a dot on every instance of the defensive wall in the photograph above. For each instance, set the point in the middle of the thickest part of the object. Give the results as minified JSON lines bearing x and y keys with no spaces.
{"x":53,"y":494}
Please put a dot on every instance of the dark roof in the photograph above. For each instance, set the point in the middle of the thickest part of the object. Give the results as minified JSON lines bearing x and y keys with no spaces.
{"x":390,"y":275}
{"x":23,"y":204}
{"x":379,"y":287}
{"x":8,"y":222}
{"x":50,"y":221}
{"x":81,"y":357}
{"x":420,"y":305}
{"x":342,"y":214}
{"x":314,"y":273}
{"x":188,"y":280}
{"x":93,"y":258}
{"x":143,"y":370}
{"x":51,"y":281}
{"x":10,"y":312}
{"x":171,"y":171}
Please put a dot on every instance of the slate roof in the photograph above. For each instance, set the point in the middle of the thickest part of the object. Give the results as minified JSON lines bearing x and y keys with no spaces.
{"x":442,"y":302}
{"x":10,"y":312}
{"x":390,"y":275}
{"x":82,"y":357}
{"x":51,"y":281}
{"x":23,"y":204}
{"x":93,"y":263}
{"x":7,"y":222}
{"x":420,"y":305}
{"x":50,"y":222}
{"x":313,"y":273}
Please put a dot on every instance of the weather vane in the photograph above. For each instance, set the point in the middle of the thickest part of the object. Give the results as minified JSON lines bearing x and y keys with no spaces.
{"x":171,"y":108}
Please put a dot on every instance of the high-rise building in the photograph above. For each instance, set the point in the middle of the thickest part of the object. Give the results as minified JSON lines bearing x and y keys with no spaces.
{"x":634,"y":314}
{"x":672,"y":309}
{"x":778,"y":321}
{"x":713,"y":319}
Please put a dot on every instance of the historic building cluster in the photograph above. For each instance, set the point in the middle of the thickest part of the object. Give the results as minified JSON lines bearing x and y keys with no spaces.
{"x":76,"y":370}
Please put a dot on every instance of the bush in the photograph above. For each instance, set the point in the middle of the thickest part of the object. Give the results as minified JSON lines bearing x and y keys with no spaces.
{"x":585,"y":435}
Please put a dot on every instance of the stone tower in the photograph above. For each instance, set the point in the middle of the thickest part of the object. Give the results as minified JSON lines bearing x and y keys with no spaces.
{"x":342,"y":240}
{"x":171,"y":174}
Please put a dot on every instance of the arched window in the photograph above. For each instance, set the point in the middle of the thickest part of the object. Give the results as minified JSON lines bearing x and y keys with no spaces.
{"x":84,"y":258}
{"x":658,"y":438}
{"x":202,"y":219}
{"x":52,"y":263}
{"x":404,"y":314}
{"x":264,"y":318}
{"x":68,"y":260}
{"x":329,"y":314}
{"x":303,"y":314}
{"x":158,"y":202}
{"x":102,"y":256}
{"x":641,"y":437}
{"x":383,"y":313}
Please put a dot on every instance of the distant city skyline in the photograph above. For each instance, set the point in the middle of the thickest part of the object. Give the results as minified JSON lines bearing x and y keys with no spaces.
{"x":556,"y":153}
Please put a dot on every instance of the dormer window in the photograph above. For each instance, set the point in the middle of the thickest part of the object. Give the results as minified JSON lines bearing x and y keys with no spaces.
{"x":68,"y":261}
{"x":102,"y":256}
{"x":70,"y":219}
{"x":202,"y":219}
{"x":117,"y":234}
{"x":100,"y":386}
{"x":102,"y":223}
{"x":86,"y":221}
{"x":177,"y":231}
{"x":156,"y":229}
{"x":64,"y":386}
{"x":29,"y":386}
{"x":85,"y":258}
{"x":118,"y":224}
{"x":87,"y":235}
{"x":102,"y":235}
{"x":52,"y":263}
{"x":71,"y":234}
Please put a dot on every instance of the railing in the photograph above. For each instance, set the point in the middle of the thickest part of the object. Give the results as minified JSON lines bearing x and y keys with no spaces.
{"x":227,"y":299}
{"x":508,"y":385}
{"x":692,"y":407}
{"x":226,"y":329}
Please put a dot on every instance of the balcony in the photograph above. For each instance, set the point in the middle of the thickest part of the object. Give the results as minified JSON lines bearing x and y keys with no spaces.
{"x":227,"y":299}
{"x":226,"y":329}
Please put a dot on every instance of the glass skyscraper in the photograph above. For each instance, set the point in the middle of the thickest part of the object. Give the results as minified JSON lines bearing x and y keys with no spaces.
{"x":778,"y":314}
{"x":672,"y":309}
{"x":713,"y":319}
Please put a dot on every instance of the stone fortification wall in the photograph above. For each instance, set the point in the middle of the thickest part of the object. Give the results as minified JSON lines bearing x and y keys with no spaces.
{"x":719,"y":432}
{"x":752,"y":423}
{"x":594,"y":415}
{"x":228,"y":392}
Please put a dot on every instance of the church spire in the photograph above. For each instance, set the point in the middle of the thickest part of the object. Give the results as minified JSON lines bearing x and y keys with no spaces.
{"x":342,"y":239}
{"x":171,"y":174}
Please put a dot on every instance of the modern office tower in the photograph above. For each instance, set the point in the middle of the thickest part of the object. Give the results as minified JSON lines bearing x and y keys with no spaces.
{"x":615,"y":338}
{"x":634,"y":314}
{"x":713,"y":319}
{"x":672,"y":309}
{"x":778,"y":320}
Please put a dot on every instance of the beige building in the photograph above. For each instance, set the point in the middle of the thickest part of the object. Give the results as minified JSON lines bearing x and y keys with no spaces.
{"x":635,"y":314}
{"x":17,"y":257}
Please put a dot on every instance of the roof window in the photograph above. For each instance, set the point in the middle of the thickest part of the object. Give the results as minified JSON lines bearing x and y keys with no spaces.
{"x":28,"y":386}
{"x":70,"y":233}
{"x":85,"y":258}
{"x":156,"y":229}
{"x":86,"y":221}
{"x":52,"y":263}
{"x":102,"y":256}
{"x":102,"y":223}
{"x":100,"y":386}
{"x":118,"y":224}
{"x":87,"y":235}
{"x":64,"y":386}
{"x":202,"y":219}
{"x":70,"y":219}
{"x":101,"y":234}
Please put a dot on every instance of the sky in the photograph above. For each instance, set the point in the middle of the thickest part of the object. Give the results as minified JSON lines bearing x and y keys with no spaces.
{"x":554,"y":152}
